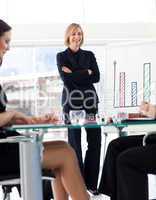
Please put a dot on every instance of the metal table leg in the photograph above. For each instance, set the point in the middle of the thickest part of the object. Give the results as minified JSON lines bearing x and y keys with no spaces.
{"x":30,"y":170}
{"x":121,"y":132}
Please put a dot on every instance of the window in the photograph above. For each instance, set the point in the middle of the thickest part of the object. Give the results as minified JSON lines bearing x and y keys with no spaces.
{"x":30,"y":78}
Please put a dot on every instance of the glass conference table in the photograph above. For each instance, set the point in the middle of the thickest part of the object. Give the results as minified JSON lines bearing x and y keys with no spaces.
{"x":30,"y":143}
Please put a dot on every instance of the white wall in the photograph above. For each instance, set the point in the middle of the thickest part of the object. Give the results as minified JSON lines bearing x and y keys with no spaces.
{"x":98,"y":33}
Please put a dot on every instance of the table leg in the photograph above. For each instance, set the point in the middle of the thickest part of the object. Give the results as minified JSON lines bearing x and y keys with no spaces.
{"x":121,"y":132}
{"x":30,"y":171}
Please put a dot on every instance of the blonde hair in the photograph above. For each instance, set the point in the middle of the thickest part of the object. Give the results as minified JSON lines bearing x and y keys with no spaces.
{"x":70,"y":29}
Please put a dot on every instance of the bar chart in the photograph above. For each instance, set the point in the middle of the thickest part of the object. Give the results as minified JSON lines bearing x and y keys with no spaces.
{"x":127,"y":91}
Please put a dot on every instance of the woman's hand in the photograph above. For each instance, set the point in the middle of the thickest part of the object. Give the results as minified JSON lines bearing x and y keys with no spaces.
{"x":14,"y":117}
{"x":21,"y":118}
{"x":90,"y":71}
{"x":45,"y":119}
{"x":66,"y":69}
{"x":148,"y":109}
{"x":51,"y":118}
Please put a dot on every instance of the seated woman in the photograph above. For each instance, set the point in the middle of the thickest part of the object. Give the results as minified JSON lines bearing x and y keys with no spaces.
{"x":58,"y":155}
{"x":127,"y":163}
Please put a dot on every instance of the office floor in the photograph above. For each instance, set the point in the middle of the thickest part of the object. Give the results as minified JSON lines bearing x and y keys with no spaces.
{"x":14,"y":195}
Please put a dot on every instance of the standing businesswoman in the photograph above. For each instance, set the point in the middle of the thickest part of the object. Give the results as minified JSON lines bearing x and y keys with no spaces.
{"x":79,"y":70}
{"x":57,"y":155}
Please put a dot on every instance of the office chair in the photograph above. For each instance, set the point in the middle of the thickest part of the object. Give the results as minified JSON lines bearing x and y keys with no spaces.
{"x":8,"y":181}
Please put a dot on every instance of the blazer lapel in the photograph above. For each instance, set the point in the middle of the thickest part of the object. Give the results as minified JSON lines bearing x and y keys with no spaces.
{"x":74,"y":63}
{"x":72,"y":60}
{"x":82,"y":59}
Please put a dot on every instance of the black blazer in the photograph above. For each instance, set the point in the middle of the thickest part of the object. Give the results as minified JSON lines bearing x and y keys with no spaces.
{"x":79,"y":80}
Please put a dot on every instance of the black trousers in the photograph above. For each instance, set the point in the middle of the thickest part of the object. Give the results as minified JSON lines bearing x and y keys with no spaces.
{"x":9,"y":154}
{"x":127,"y":163}
{"x":90,"y":166}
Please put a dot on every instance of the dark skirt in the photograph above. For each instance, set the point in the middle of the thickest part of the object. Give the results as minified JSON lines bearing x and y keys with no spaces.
{"x":9,"y":154}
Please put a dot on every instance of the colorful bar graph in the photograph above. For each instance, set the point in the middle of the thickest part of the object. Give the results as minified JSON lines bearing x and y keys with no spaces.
{"x":134,"y":93}
{"x":127,"y":88}
{"x":122,"y":89}
{"x":147,"y":82}
{"x":116,"y":93}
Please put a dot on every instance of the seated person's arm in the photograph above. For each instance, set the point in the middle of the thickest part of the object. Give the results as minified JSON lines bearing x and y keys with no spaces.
{"x":15,"y":117}
{"x":48,"y":118}
{"x":12,"y":117}
{"x":148,"y":109}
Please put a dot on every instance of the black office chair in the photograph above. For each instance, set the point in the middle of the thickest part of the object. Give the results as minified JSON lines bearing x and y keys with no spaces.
{"x":8,"y":181}
{"x":12,"y":180}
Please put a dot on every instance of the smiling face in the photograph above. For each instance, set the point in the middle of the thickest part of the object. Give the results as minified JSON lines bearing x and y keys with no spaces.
{"x":75,"y":38}
{"x":4,"y":44}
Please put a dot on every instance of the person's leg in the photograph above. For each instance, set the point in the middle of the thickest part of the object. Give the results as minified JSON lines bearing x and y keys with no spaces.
{"x":92,"y":158}
{"x":133,"y":165}
{"x":74,"y":139}
{"x":61,"y":157}
{"x":58,"y":189}
{"x":108,"y":179}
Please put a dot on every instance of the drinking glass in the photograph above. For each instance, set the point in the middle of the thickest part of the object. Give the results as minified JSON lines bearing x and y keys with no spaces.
{"x":122,"y":116}
{"x":100,"y":119}
{"x":77,"y":117}
{"x":119,"y":117}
